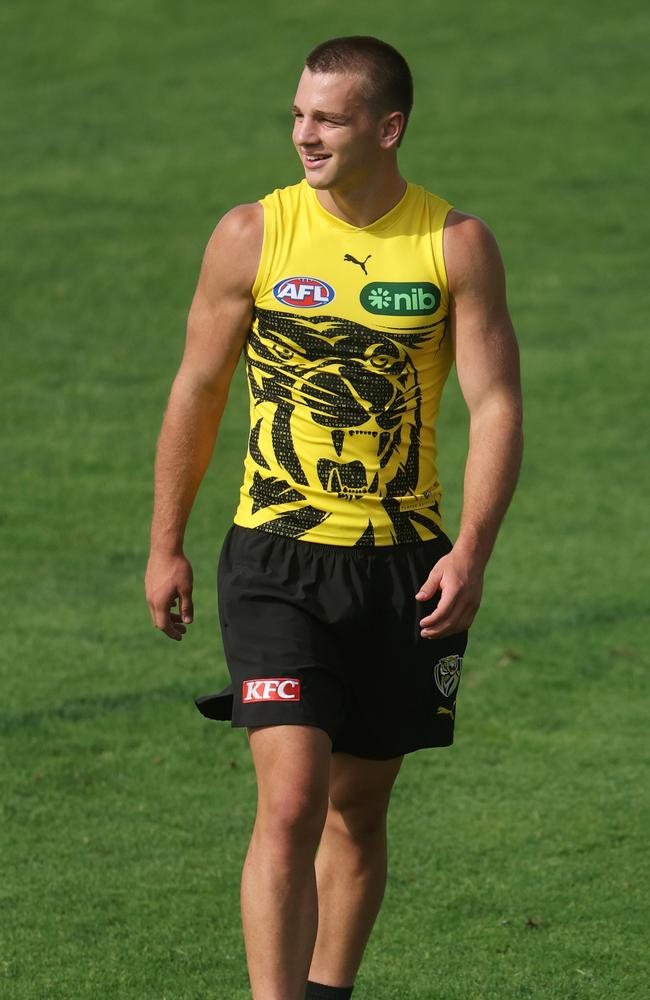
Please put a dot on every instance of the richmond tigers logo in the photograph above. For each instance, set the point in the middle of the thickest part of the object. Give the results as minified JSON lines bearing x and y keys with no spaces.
{"x":351,"y":380}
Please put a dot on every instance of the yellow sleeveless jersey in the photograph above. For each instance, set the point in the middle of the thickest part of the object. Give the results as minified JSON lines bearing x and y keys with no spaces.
{"x":346,"y":358}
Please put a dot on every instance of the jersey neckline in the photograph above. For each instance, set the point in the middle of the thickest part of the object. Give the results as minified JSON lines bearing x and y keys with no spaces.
{"x":383,"y":222}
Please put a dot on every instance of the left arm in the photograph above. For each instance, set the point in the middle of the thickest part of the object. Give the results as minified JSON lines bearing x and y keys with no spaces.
{"x":487,"y":361}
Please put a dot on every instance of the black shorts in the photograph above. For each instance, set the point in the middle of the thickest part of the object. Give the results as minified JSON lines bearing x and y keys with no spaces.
{"x":329,"y":636}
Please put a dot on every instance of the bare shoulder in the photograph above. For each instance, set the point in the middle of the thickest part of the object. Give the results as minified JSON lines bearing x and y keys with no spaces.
{"x":242,"y":223}
{"x":472,"y":256}
{"x":233,"y":252}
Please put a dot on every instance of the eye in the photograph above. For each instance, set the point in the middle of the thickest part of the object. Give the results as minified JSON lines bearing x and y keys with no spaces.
{"x":283,"y":352}
{"x":381,"y":361}
{"x":382,"y":356}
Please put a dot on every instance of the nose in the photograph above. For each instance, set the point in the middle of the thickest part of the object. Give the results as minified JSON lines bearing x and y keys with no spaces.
{"x":304,"y":131}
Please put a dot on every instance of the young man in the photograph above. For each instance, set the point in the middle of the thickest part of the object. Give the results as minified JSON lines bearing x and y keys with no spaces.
{"x":344,"y":607}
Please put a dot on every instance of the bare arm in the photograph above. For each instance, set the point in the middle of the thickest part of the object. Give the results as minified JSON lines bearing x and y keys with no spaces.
{"x":487,"y":361}
{"x":218,"y":322}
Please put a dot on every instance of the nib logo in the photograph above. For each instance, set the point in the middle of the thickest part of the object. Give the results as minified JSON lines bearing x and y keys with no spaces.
{"x":271,"y":689}
{"x":400,"y":298}
{"x":380,"y":299}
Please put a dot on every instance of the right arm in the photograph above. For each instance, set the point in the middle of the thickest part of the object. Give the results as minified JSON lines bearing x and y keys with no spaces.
{"x":219,"y":319}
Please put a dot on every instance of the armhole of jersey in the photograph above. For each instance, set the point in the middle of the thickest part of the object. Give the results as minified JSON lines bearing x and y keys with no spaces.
{"x":268,"y":247}
{"x":442,"y":211}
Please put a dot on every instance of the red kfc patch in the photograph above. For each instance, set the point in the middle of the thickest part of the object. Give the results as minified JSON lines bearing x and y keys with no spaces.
{"x":271,"y":689}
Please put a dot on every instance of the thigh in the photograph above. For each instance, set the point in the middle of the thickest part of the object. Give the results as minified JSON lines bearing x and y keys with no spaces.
{"x":359,"y":794}
{"x":356,"y":782}
{"x":292,"y":767}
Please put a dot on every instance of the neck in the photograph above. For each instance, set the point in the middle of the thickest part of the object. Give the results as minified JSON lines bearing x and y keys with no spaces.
{"x":361,"y":206}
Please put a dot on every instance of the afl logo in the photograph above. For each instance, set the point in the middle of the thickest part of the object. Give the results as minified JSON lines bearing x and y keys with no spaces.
{"x":303,"y":293}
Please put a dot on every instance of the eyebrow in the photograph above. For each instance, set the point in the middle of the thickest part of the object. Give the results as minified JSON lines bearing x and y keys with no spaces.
{"x":332,"y":115}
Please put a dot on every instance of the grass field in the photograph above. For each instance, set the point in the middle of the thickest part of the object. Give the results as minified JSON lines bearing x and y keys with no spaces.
{"x":519,"y":864}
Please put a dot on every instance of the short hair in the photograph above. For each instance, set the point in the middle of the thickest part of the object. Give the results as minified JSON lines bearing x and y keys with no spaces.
{"x":388,"y":80}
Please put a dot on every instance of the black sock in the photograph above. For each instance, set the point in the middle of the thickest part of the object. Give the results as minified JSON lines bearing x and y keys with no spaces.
{"x":316,"y":991}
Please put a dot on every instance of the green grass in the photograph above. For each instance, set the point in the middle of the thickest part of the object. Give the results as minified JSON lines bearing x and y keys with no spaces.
{"x":518,"y":861}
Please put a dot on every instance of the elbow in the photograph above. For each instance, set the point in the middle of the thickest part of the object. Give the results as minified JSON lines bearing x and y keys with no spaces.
{"x":190,"y":392}
{"x":503,"y":409}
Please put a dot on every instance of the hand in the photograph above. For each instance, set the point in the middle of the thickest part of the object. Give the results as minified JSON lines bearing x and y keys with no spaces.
{"x":169,"y":579}
{"x":460,"y":583}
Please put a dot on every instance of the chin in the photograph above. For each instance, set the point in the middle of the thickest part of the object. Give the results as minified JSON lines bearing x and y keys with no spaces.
{"x":318,"y":183}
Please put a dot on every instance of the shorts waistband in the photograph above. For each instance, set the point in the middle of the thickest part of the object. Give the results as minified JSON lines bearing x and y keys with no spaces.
{"x":352,"y":551}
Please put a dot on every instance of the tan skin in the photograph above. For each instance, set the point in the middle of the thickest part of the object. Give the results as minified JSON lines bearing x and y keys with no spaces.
{"x":331,"y":802}
{"x":218,"y":322}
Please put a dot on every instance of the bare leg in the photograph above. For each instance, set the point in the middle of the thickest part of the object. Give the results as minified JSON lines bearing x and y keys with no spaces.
{"x":278,"y":892}
{"x":351,"y":865}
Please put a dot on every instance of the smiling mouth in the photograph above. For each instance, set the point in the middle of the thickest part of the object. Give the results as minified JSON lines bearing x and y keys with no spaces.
{"x":313,"y":158}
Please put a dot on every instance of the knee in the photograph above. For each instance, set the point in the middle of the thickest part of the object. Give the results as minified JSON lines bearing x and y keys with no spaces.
{"x":289,"y":819}
{"x":362,"y":823}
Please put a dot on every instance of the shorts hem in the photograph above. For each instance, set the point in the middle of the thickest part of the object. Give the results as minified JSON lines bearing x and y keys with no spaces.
{"x":393,"y":753}
{"x":284,"y":722}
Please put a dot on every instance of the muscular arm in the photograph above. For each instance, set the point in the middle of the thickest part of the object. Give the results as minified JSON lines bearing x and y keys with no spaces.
{"x":218,"y":322}
{"x":487,"y":361}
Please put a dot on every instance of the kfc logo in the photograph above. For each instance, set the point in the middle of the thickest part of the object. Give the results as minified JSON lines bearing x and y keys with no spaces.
{"x":271,"y":689}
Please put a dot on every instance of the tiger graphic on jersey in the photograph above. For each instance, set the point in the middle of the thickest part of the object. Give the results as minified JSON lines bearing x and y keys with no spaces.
{"x":351,"y":380}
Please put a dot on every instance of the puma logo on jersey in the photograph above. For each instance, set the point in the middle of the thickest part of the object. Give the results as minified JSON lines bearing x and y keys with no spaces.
{"x":362,"y":264}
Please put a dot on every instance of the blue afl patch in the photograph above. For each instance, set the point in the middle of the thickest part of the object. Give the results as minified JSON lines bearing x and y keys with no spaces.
{"x":303,"y":292}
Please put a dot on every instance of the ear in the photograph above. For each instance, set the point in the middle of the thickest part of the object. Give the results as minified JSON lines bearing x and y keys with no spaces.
{"x":390,"y":129}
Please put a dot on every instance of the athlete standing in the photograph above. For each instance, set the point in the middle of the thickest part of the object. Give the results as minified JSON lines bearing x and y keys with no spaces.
{"x":344,"y":607}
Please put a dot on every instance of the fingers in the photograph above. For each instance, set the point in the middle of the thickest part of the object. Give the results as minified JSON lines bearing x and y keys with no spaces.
{"x":167,"y":619}
{"x":173,"y":625}
{"x":177,"y":622}
{"x":168,"y":583}
{"x":431,"y":584}
{"x":452,"y":615}
{"x":187,"y":608}
{"x":443,"y":608}
{"x":460,"y":595}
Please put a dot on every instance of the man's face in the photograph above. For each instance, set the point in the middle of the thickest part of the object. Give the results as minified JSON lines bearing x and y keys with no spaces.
{"x":335,"y":132}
